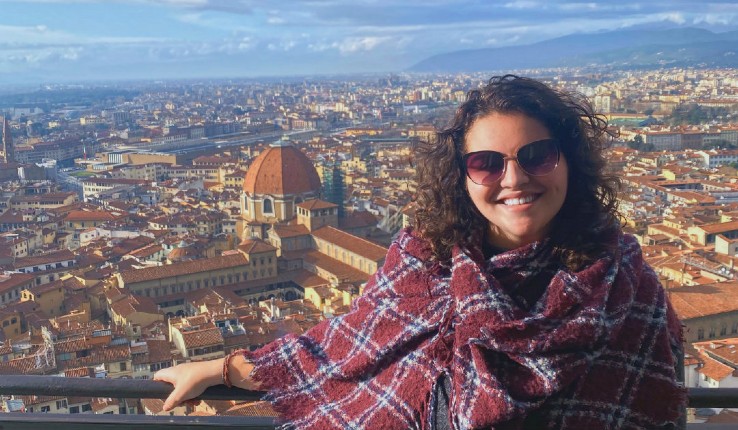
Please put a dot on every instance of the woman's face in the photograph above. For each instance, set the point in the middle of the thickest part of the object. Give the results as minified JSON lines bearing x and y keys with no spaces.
{"x":519,"y":207}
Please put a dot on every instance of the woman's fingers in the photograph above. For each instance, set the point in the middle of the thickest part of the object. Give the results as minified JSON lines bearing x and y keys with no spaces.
{"x":189,"y":380}
{"x":174,"y":399}
{"x":164,"y":375}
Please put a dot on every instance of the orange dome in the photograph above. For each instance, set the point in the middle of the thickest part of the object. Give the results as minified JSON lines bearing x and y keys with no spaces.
{"x":281,"y":169}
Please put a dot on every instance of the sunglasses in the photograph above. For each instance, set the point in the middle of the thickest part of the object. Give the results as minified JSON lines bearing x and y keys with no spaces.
{"x":537,"y":158}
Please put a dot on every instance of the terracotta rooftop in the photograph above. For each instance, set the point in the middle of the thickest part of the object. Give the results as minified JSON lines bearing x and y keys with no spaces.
{"x":252,"y":409}
{"x":200,"y":338}
{"x":281,"y":170}
{"x":48,"y":258}
{"x":285,"y":231}
{"x":724,"y":349}
{"x":42,"y":198}
{"x":134,"y":304}
{"x":255,"y":246}
{"x":315,"y":204}
{"x":8,"y":282}
{"x":184,"y":268}
{"x":351,"y":243}
{"x":76,"y":216}
{"x":702,"y":300}
{"x":342,"y":271}
{"x":714,"y":369}
{"x":358,"y":219}
{"x":720,"y":227}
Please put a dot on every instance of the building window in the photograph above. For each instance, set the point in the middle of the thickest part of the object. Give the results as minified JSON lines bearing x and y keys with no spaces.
{"x":712,"y":332}
{"x":724,"y":330}
{"x":734,"y":329}
{"x":700,"y":334}
{"x":123,"y":367}
{"x":45,"y":409}
{"x":268,"y":206}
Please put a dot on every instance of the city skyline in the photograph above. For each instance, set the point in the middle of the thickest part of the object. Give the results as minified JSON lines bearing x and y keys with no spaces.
{"x":47,"y":41}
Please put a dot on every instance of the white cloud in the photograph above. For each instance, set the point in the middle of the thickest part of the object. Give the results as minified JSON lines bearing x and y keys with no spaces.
{"x":577,"y":6}
{"x":523,"y":4}
{"x":275,"y":20}
{"x":246,"y":43}
{"x":715,"y":19}
{"x":38,"y":57}
{"x":675,"y":17}
{"x":355,"y":44}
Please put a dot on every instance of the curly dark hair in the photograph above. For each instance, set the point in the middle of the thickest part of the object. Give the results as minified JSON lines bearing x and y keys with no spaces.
{"x":446,"y":215}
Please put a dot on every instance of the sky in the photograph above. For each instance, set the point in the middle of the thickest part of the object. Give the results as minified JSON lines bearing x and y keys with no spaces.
{"x":48,"y":41}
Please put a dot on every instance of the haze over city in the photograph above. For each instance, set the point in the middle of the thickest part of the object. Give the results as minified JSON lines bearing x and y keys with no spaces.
{"x":90,"y":40}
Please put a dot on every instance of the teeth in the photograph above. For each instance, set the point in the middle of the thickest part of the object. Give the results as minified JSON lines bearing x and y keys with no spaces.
{"x":520,"y":201}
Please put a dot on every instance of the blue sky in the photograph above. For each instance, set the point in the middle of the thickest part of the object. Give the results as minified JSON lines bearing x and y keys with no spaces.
{"x":45,"y":41}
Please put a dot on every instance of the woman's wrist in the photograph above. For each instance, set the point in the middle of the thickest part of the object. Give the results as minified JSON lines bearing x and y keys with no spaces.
{"x":214,"y":372}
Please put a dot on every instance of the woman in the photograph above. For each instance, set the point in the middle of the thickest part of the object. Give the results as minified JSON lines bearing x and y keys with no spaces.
{"x":516,"y":302}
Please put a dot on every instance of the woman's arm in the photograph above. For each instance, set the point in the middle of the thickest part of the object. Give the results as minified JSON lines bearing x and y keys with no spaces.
{"x":191,"y":379}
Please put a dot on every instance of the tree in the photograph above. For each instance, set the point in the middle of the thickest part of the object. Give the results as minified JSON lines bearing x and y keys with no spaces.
{"x":636,"y":143}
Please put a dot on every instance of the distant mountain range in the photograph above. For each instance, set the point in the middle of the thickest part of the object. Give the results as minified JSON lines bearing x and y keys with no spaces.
{"x":623,"y":49}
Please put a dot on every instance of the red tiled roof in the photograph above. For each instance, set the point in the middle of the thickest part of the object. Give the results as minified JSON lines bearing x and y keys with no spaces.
{"x":702,"y":300}
{"x":51,"y":257}
{"x":315,"y":204}
{"x":184,"y":268}
{"x":134,"y":304}
{"x":253,"y":409}
{"x":281,"y":170}
{"x":714,"y":369}
{"x":285,"y":231}
{"x":255,"y":246}
{"x":342,"y":271}
{"x":721,"y":227}
{"x":199,"y":338}
{"x":7,"y":283}
{"x":75,"y":216}
{"x":351,"y":243}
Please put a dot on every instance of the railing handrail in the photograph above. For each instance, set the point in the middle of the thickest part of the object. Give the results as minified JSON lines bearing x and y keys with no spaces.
{"x":149,"y":389}
{"x":138,"y":422}
{"x":113,"y":388}
{"x":144,"y":388}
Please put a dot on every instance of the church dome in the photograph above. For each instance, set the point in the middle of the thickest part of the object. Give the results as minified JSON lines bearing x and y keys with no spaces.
{"x":281,"y":170}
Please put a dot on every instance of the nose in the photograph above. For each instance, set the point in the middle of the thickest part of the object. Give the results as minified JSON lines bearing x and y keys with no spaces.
{"x":513,"y":175}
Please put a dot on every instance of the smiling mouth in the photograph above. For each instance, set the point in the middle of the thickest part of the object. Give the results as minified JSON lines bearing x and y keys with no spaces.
{"x":519,"y":201}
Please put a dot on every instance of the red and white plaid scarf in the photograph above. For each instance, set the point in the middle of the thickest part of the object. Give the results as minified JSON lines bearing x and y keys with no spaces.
{"x":594,"y":352}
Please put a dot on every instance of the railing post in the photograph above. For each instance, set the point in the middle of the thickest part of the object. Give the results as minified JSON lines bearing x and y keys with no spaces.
{"x":682,"y":423}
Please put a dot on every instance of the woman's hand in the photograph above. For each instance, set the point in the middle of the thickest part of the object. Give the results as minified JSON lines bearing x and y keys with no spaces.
{"x":190,"y":380}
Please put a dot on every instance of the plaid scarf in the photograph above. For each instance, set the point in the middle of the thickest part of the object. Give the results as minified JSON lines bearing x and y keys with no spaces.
{"x":595,"y":351}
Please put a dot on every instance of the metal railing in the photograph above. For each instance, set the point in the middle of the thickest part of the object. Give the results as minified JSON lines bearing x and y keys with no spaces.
{"x":120,"y":389}
{"x":147,"y":389}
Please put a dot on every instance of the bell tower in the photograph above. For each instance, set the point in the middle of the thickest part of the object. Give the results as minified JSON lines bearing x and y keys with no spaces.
{"x":7,"y":154}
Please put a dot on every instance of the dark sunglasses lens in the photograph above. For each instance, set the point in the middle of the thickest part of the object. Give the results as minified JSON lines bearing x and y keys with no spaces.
{"x":484,"y":167}
{"x":539,"y":158}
